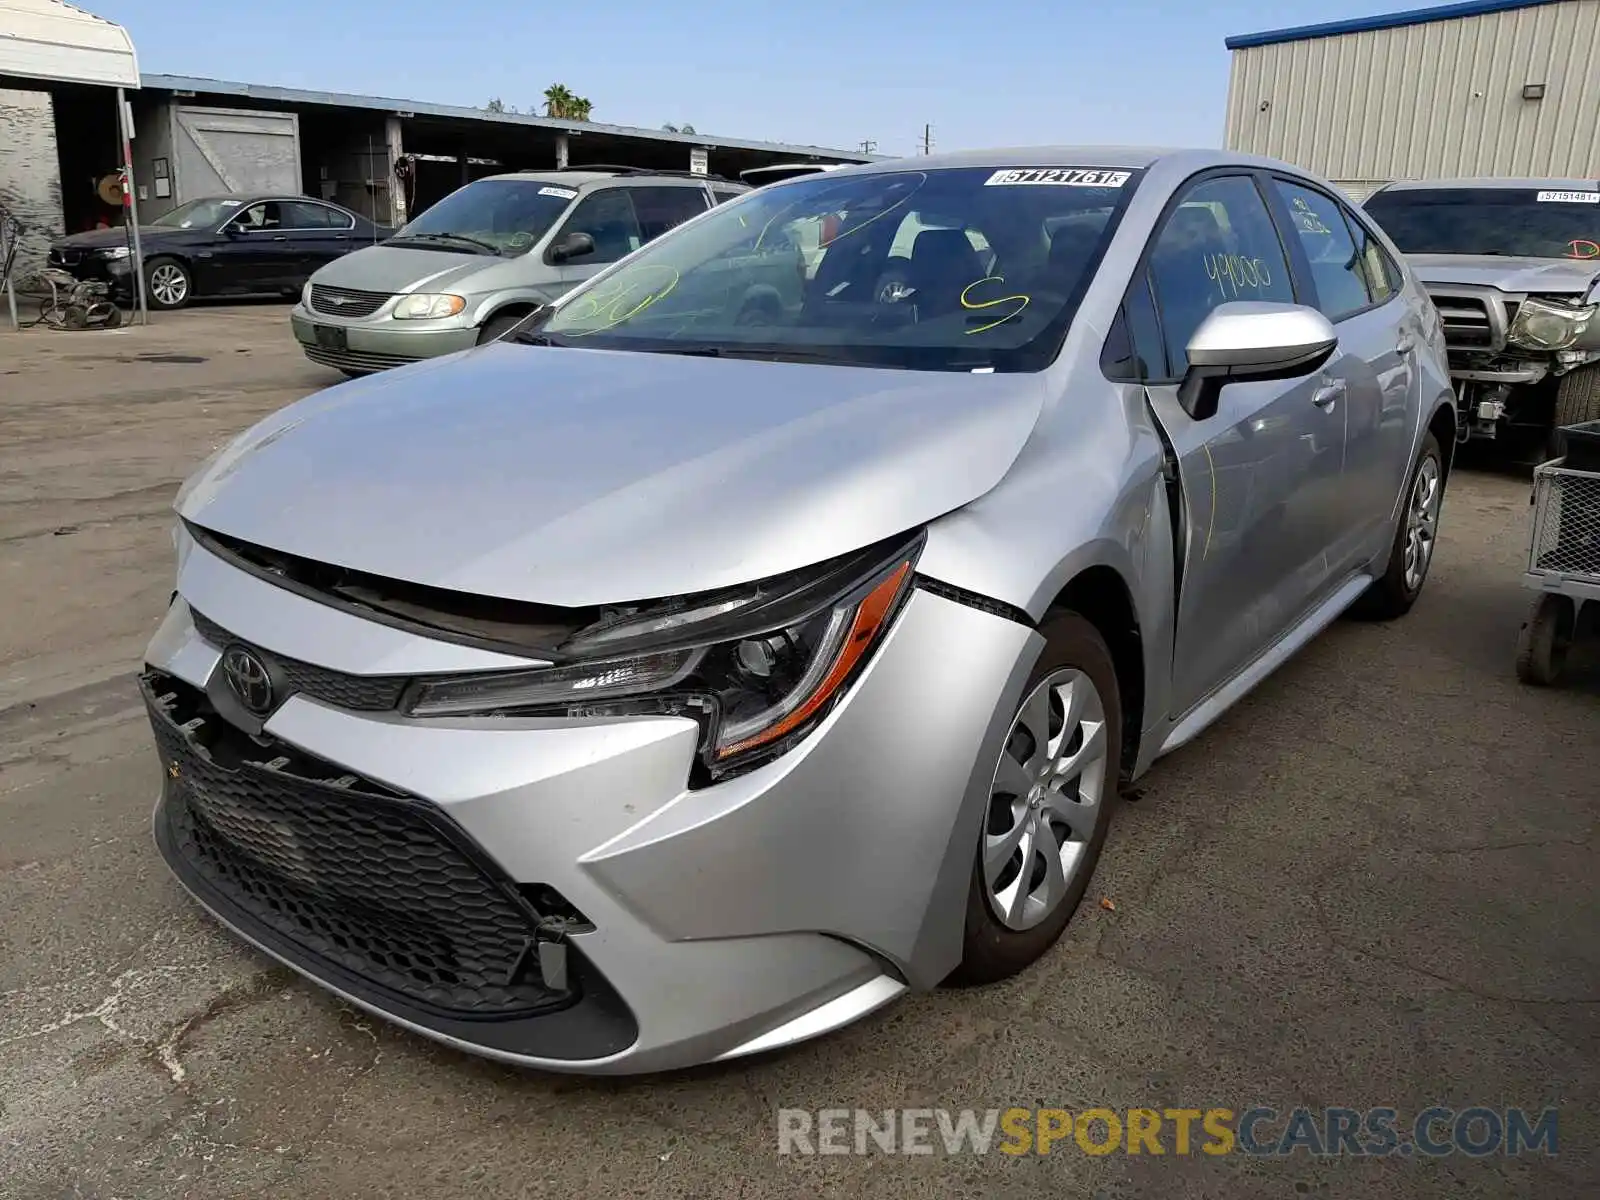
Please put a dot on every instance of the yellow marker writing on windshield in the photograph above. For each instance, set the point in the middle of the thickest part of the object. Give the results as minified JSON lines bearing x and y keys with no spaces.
{"x":1021,"y":303}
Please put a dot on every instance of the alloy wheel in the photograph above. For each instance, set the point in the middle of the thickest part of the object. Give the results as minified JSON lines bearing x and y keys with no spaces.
{"x":1422,"y":522}
{"x":169,"y":284}
{"x":1045,"y":803}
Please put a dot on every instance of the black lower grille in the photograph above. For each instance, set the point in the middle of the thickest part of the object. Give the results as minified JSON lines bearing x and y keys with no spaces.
{"x":356,"y":362}
{"x":359,"y":693}
{"x":383,"y":886}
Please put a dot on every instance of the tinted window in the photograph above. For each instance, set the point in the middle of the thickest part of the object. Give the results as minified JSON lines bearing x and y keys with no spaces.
{"x":606,"y":216}
{"x":1337,"y":269}
{"x":660,"y":208}
{"x":1514,"y":221}
{"x":1217,"y":246}
{"x":302,"y":214}
{"x":198,"y":214}
{"x":724,"y":196}
{"x":951,"y":268}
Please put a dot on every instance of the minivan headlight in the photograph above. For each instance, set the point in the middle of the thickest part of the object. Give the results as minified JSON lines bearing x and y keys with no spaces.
{"x":422,"y":305}
{"x":757,"y":669}
{"x":1547,"y":325}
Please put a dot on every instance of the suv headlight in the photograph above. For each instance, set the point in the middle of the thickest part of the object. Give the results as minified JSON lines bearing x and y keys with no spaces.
{"x":1549,"y":325}
{"x":421,"y":305}
{"x":757,"y":667}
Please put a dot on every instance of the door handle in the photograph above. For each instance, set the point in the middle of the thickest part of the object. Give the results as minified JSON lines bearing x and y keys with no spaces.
{"x":1327,"y":396}
{"x":280,"y":237}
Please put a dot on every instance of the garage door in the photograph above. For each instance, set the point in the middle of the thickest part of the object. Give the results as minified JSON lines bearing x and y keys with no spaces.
{"x":235,"y":150}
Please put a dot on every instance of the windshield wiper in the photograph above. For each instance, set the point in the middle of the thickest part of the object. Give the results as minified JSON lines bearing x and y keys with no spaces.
{"x":490,"y":247}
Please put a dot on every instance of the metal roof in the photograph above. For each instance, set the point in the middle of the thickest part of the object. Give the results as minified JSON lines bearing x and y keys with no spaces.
{"x":1394,"y":20}
{"x":417,"y":108}
{"x":49,"y":40}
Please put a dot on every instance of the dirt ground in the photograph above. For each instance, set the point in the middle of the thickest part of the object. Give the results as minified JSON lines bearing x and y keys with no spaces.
{"x":1373,"y":884}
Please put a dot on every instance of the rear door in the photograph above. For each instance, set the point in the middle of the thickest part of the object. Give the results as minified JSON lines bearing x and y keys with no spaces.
{"x":1374,"y":364}
{"x":660,"y":207}
{"x":318,"y":234}
{"x":1256,"y":478}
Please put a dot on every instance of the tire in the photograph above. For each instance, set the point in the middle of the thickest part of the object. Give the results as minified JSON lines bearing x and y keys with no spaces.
{"x":173,"y":280}
{"x":1394,"y":592}
{"x":497,"y":327}
{"x":1544,"y":641}
{"x":995,"y":947}
{"x":1578,"y":396}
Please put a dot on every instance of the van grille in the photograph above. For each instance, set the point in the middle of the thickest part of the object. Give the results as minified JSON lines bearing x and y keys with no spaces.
{"x":346,"y":302}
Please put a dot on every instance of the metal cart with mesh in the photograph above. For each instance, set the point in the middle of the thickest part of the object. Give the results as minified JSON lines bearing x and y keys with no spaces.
{"x":1563,"y":556}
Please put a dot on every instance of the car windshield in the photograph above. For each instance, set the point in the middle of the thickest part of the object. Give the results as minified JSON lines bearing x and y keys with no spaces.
{"x":504,"y":216}
{"x":1553,"y":223}
{"x":199,"y":214}
{"x":949,"y":269}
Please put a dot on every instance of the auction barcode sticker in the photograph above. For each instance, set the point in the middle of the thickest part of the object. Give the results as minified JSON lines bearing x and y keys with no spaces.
{"x":1568,"y":197}
{"x":1057,"y":177}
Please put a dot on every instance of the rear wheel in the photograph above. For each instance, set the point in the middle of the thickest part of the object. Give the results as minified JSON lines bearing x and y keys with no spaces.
{"x":1049,"y":805}
{"x":1396,"y":590}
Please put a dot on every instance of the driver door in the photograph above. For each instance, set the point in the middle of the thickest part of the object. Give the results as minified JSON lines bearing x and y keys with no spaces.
{"x":252,"y":253}
{"x":607,"y":216}
{"x":1260,"y":478}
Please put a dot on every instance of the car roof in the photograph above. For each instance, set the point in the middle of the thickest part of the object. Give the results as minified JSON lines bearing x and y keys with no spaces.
{"x":1126,"y":158}
{"x":1492,"y":183}
{"x":577,"y":178}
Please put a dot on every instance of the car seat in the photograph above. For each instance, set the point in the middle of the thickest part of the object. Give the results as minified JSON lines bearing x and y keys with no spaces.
{"x":943,"y":264}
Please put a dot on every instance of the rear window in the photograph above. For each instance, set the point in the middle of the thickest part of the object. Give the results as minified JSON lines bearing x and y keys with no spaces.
{"x":1523,"y":223}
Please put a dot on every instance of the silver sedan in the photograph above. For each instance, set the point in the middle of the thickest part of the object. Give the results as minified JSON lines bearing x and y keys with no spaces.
{"x":766,"y":629}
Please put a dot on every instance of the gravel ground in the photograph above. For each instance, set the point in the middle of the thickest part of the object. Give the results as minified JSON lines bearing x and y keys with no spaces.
{"x":1372,"y":884}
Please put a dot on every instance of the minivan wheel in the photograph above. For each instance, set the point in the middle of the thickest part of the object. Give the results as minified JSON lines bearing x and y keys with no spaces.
{"x":1394,"y":592}
{"x":1049,"y":804}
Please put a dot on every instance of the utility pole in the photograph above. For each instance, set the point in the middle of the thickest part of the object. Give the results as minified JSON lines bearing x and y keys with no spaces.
{"x":927,"y":139}
{"x":868,"y":145}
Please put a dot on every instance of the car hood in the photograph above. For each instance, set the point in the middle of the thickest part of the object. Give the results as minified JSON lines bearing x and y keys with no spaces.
{"x":96,"y":239}
{"x":401,"y":269}
{"x":1547,"y":276}
{"x":577,"y":477}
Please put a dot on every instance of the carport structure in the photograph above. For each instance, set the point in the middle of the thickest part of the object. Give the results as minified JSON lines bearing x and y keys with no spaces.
{"x":48,"y":42}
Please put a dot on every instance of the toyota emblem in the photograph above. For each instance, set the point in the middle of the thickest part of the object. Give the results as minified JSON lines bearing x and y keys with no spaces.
{"x":248,"y":680}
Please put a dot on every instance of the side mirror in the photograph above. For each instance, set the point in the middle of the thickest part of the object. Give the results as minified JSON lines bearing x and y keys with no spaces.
{"x":574,"y":245}
{"x":1250,"y":340}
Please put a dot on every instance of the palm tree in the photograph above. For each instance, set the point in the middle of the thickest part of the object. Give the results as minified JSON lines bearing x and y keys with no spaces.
{"x":561,"y":103}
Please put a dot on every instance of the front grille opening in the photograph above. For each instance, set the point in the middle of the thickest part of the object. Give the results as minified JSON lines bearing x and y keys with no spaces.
{"x":555,"y":907}
{"x":348,"y":871}
{"x":357,"y":693}
{"x":346,"y":302}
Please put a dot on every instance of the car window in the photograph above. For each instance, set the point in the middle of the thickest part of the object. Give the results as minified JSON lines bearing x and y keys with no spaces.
{"x":608,"y":217}
{"x":1337,"y":269}
{"x":1378,"y":271}
{"x":723,"y":196}
{"x":660,"y":208}
{"x":1531,"y":222}
{"x":303,"y":214}
{"x":267,"y":214}
{"x":1217,"y":246}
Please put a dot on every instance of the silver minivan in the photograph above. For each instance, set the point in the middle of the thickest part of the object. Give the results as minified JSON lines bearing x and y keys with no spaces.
{"x":479,"y":261}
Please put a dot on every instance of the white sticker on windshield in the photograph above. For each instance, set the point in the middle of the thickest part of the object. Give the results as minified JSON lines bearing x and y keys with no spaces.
{"x":232,"y":203}
{"x":1568,"y":197}
{"x":1057,"y":177}
{"x":564,"y":193}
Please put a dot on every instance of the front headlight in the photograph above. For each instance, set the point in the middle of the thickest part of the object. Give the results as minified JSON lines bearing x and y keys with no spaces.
{"x":422,"y":305}
{"x":305,"y":294}
{"x":1549,"y":325}
{"x":114,"y":252}
{"x":757,"y":667}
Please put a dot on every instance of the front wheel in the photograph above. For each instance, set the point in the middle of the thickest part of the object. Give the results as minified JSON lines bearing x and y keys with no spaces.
{"x":1394,"y":592}
{"x":1545,"y":639}
{"x":1049,"y":805}
{"x":1578,"y":396}
{"x":167,"y":283}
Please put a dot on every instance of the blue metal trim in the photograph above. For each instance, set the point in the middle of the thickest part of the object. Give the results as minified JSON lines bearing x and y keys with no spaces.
{"x":1396,"y":20}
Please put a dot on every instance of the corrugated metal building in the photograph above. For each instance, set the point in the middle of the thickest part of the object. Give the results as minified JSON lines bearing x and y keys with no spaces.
{"x":1486,"y":88}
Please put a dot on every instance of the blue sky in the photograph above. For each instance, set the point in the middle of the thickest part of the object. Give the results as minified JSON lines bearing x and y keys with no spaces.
{"x":830,"y":72}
